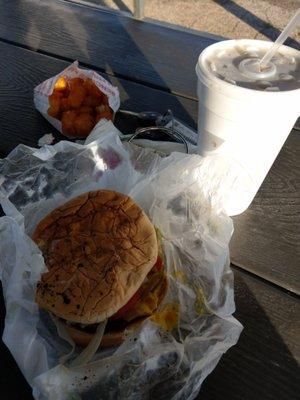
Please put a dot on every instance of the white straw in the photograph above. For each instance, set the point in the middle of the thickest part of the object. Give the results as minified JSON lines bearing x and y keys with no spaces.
{"x":294,"y":22}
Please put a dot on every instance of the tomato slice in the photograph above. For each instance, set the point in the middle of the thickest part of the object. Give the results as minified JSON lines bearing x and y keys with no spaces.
{"x":135,"y":298}
{"x":159,"y":264}
{"x":124,"y":310}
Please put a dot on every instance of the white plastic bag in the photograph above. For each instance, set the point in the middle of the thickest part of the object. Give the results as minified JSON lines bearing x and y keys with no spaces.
{"x":44,"y":89}
{"x":184,"y":201}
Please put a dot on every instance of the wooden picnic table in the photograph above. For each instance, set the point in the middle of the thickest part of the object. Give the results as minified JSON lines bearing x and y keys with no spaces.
{"x":153,"y":66}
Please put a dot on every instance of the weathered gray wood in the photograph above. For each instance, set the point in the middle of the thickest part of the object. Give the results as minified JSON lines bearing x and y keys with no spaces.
{"x":143,"y":52}
{"x":266,"y":240}
{"x":264,"y":365}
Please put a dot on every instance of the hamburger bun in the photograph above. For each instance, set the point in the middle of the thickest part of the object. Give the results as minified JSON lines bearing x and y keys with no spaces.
{"x":98,"y":248}
{"x":110,"y":339}
{"x":114,"y":337}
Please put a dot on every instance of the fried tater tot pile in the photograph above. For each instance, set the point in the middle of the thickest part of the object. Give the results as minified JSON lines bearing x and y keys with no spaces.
{"x":79,"y":104}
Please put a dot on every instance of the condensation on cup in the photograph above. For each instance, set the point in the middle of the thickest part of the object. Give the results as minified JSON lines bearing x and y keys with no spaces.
{"x":245,"y":114}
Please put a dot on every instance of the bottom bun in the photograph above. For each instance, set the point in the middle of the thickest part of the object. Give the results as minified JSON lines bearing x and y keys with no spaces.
{"x":109,"y":339}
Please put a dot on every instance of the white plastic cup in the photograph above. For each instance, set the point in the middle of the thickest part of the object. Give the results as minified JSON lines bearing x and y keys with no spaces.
{"x":247,"y":127}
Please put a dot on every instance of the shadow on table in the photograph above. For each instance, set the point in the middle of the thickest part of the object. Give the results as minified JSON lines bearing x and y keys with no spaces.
{"x":120,"y":4}
{"x":261,"y":26}
{"x":260,"y":366}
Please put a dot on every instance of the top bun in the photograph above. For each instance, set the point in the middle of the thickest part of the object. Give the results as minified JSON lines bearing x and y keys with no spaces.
{"x":98,"y":248}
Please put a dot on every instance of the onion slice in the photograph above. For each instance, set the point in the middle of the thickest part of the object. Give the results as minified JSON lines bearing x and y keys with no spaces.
{"x":87,"y":354}
{"x":63,"y":333}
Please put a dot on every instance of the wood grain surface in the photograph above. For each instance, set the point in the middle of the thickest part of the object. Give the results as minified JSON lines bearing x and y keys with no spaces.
{"x":262,"y":366}
{"x":143,"y":52}
{"x":266,"y":238}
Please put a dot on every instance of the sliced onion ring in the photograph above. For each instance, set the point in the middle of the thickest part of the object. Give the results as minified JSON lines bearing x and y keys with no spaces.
{"x":87,"y":354}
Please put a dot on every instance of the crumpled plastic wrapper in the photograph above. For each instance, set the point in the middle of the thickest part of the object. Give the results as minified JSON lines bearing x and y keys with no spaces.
{"x":44,"y":89}
{"x":184,"y":200}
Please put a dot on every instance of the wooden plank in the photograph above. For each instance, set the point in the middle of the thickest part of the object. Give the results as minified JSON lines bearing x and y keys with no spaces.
{"x":262,"y":366}
{"x":21,"y":70}
{"x":119,"y":45}
{"x":266,"y":240}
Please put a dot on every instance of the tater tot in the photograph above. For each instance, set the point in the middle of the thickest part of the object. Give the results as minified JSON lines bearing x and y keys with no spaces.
{"x":100,"y":109}
{"x":79,"y":104}
{"x":88,"y":84}
{"x":54,"y":103}
{"x":106,"y":113}
{"x":76,"y":96}
{"x":61,"y":84}
{"x":54,"y":99}
{"x":91,"y":101}
{"x":92,"y":89}
{"x":97,"y":118}
{"x":105,"y":100}
{"x":53,"y":111}
{"x":84,"y":123}
{"x":87,"y":110}
{"x":76,"y":82}
{"x":64,"y":104}
{"x":67,"y":123}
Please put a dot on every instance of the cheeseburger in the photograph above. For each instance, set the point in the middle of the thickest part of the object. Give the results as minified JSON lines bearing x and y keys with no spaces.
{"x":104,"y":263}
